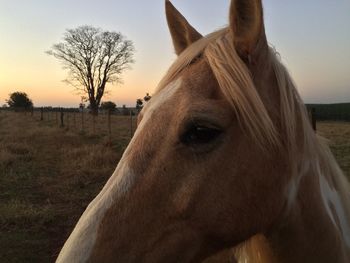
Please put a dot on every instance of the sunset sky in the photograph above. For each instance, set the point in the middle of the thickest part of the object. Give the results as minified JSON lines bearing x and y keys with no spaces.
{"x":313,"y":38}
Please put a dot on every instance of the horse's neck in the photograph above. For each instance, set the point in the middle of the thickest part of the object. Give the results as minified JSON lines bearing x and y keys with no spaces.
{"x":313,"y":230}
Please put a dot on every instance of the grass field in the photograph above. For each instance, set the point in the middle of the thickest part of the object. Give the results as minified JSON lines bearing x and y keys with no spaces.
{"x":48,"y":176}
{"x":338,"y":134}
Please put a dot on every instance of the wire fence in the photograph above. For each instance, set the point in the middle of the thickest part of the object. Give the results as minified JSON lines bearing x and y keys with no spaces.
{"x":112,"y":126}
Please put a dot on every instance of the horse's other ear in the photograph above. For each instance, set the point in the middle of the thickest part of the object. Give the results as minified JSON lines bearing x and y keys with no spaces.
{"x":182,"y":33}
{"x":247,"y":25}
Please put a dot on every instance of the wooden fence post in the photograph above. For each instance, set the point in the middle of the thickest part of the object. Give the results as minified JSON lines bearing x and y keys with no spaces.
{"x":93,"y":124}
{"x":109,"y":128}
{"x":74,"y":121}
{"x":67,"y":120}
{"x":41,"y":113}
{"x":82,"y":120}
{"x":62,"y":121}
{"x":131,"y":128}
{"x":313,"y":119}
{"x":56,"y":117}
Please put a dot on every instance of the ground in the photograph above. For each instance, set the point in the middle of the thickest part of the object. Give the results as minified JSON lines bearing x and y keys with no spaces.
{"x":338,"y":135}
{"x":48,"y":175}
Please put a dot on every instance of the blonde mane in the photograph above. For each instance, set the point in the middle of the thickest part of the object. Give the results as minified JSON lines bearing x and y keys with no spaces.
{"x":306,"y":151}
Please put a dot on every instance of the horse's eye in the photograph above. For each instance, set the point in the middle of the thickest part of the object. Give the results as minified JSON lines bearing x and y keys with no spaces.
{"x":197,"y":135}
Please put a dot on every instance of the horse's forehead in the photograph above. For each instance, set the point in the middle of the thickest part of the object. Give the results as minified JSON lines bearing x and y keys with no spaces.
{"x":158,"y":101}
{"x":192,"y":84}
{"x":162,"y":97}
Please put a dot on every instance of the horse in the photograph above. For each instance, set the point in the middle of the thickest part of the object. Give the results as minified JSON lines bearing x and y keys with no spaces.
{"x":223,"y":157}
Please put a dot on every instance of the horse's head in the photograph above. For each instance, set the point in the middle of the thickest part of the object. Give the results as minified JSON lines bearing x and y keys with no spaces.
{"x":197,"y":175}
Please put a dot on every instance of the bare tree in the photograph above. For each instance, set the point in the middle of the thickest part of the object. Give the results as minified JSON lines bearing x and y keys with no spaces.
{"x":93,"y":58}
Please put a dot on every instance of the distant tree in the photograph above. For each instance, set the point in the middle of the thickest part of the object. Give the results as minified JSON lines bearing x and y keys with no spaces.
{"x":19,"y":100}
{"x":125,"y":110}
{"x":82,"y":103}
{"x":93,"y":58}
{"x":108,"y":105}
{"x":147,"y":97}
{"x":139,"y":104}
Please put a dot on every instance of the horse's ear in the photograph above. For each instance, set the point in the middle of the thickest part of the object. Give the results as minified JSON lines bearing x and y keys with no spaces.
{"x":182,"y":33}
{"x":247,"y":25}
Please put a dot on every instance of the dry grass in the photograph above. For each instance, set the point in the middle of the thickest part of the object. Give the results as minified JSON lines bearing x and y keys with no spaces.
{"x":20,"y":213}
{"x":48,"y":175}
{"x":338,"y":134}
{"x":122,"y":127}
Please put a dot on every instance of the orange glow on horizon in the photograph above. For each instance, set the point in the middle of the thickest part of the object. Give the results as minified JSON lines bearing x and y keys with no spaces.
{"x":49,"y":89}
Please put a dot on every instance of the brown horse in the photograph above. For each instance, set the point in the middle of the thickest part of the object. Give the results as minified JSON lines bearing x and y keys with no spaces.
{"x":223,"y":156}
